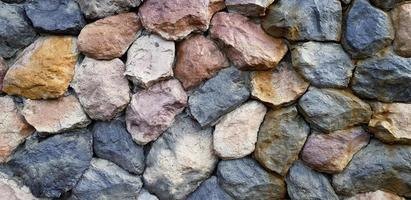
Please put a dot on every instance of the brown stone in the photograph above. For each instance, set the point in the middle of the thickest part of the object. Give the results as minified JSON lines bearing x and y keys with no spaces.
{"x":401,"y":16}
{"x":110,"y":37}
{"x":198,"y":59}
{"x":3,"y":70}
{"x":12,"y":190}
{"x":44,"y":70}
{"x":377,"y":195}
{"x":330,"y":153}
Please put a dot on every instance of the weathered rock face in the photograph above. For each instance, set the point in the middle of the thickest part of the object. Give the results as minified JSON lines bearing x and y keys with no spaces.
{"x":304,"y":20}
{"x":235,"y":134}
{"x":280,"y":139}
{"x":53,"y":166}
{"x":11,"y":190}
{"x":147,"y":121}
{"x":330,"y":109}
{"x":112,"y":142}
{"x":377,"y":195}
{"x":198,"y":59}
{"x":386,"y":4}
{"x":55,"y":116}
{"x":385,"y":78}
{"x":180,"y":160}
{"x":401,"y":17}
{"x":15,"y":31}
{"x":105,"y":180}
{"x":3,"y":70}
{"x":252,"y":48}
{"x":110,"y":37}
{"x":330,"y":153}
{"x":150,"y":59}
{"x":145,"y":195}
{"x":209,"y":190}
{"x":96,"y":9}
{"x":254,"y":8}
{"x":367,"y":30}
{"x":175,"y":19}
{"x":305,"y":183}
{"x":323,"y":64}
{"x":228,"y":90}
{"x":101,"y":87}
{"x":44,"y":70}
{"x":245,"y":179}
{"x":377,"y":167}
{"x":13,"y":128}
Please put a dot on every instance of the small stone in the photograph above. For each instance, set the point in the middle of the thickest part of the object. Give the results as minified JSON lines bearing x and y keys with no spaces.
{"x":55,"y":116}
{"x":209,"y":190}
{"x":402,"y":17}
{"x":253,"y":8}
{"x":198,"y":59}
{"x":245,"y":179}
{"x":109,"y":38}
{"x":44,"y":70}
{"x":323,"y":64}
{"x":145,"y":195}
{"x":377,"y":195}
{"x":235,"y":134}
{"x":149,"y":60}
{"x":367,"y":30}
{"x":11,"y":190}
{"x":101,"y":87}
{"x":112,"y":142}
{"x":52,"y":166}
{"x":175,"y":19}
{"x":180,"y":160}
{"x":105,"y":180}
{"x":304,"y":20}
{"x":3,"y":71}
{"x":305,"y":183}
{"x":330,"y":153}
{"x":280,"y":139}
{"x":152,"y":111}
{"x":252,"y":48}
{"x":386,"y":4}
{"x":330,"y":109}
{"x":96,"y":9}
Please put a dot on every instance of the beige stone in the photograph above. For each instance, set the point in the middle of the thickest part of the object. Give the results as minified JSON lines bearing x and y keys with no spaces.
{"x":377,"y":195}
{"x":401,"y":16}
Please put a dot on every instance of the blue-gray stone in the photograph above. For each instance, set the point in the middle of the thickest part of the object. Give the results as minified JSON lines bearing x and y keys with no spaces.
{"x":386,"y":4}
{"x":209,"y":190}
{"x":96,"y":9}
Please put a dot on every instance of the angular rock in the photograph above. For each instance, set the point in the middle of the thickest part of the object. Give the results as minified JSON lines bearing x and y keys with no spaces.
{"x":175,"y":19}
{"x":152,"y":111}
{"x":109,"y":38}
{"x":209,"y":190}
{"x":304,"y":20}
{"x":235,"y":134}
{"x":12,"y":190}
{"x":228,"y":90}
{"x":330,"y":109}
{"x":145,"y":195}
{"x":3,"y":70}
{"x":253,"y":8}
{"x":105,"y":180}
{"x":401,"y":19}
{"x":180,"y":160}
{"x":367,"y":30}
{"x":377,"y":195}
{"x":44,"y":70}
{"x":280,"y":139}
{"x":330,"y":153}
{"x":377,"y":167}
{"x":252,"y":48}
{"x":198,"y":59}
{"x":305,"y":183}
{"x":101,"y":87}
{"x":112,"y":142}
{"x":386,"y":4}
{"x":149,"y":60}
{"x":245,"y":179}
{"x":96,"y":9}
{"x":323,"y":64}
{"x":52,"y":166}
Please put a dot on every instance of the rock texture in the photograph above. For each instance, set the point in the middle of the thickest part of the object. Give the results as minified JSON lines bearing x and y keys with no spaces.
{"x":377,"y":195}
{"x":401,"y":17}
{"x":3,"y":71}
{"x":96,"y":9}
{"x":145,"y":195}
{"x":253,"y":8}
{"x":11,"y":190}
{"x":209,"y":190}
{"x":386,"y":4}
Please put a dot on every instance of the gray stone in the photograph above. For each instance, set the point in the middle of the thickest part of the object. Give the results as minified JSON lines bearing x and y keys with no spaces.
{"x":254,"y":8}
{"x":145,"y":195}
{"x":386,"y":4}
{"x":96,"y":9}
{"x":209,"y":190}
{"x":3,"y":71}
{"x":13,"y":190}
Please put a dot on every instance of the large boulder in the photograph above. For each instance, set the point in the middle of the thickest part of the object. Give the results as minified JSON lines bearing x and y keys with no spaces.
{"x":253,"y":8}
{"x":401,"y":17}
{"x":96,"y":9}
{"x":209,"y":190}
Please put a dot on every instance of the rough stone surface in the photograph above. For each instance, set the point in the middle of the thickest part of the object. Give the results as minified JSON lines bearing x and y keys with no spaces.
{"x":304,"y":20}
{"x":402,"y":17}
{"x":198,"y":59}
{"x":152,"y":111}
{"x":235,"y":134}
{"x":251,"y":48}
{"x":367,"y":30}
{"x":305,"y":183}
{"x":280,"y":139}
{"x":3,"y":70}
{"x":52,"y":166}
{"x":12,"y":190}
{"x":55,"y":116}
{"x":323,"y":64}
{"x":145,"y":195}
{"x":331,"y":109}
{"x":209,"y":190}
{"x":253,"y":8}
{"x":175,"y":19}
{"x":180,"y":160}
{"x":377,"y":195}
{"x":101,"y":87}
{"x":44,"y":70}
{"x":109,"y":38}
{"x":150,"y":59}
{"x":386,"y":4}
{"x":112,"y":142}
{"x":105,"y":180}
{"x":228,"y":90}
{"x":377,"y":167}
{"x":330,"y":153}
{"x":96,"y":9}
{"x":245,"y":179}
